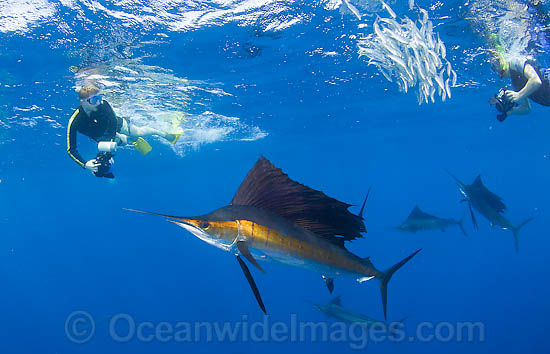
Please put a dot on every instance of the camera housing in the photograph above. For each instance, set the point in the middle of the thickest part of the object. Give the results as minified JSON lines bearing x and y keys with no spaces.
{"x":104,"y":159}
{"x":502,"y":104}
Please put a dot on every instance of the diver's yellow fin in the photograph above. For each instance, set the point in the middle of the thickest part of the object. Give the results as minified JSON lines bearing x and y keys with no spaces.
{"x":142,"y":146}
{"x":176,"y":137}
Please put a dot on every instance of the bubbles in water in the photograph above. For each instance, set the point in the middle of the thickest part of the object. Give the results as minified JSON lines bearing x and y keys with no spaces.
{"x":504,"y":20}
{"x":19,"y":16}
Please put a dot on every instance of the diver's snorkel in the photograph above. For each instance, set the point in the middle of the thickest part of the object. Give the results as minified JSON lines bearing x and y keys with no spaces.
{"x":500,"y":64}
{"x":105,"y":158}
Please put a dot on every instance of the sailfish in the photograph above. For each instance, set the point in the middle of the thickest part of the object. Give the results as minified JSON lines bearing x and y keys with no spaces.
{"x":488,"y":204}
{"x":419,"y":220}
{"x":272,"y":217}
{"x":335,"y":310}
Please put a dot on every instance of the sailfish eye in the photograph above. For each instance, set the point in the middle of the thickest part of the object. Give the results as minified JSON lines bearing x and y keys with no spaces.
{"x":204,"y":225}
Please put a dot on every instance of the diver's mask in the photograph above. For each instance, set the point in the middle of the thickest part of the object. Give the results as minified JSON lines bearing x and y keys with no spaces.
{"x":96,"y":99}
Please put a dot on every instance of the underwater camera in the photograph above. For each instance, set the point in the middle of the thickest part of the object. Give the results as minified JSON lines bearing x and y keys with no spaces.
{"x":104,"y":159}
{"x":502,"y":104}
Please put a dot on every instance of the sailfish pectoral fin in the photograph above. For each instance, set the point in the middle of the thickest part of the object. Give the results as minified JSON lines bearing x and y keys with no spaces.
{"x":474,"y":221}
{"x":251,"y":282}
{"x":329,"y":282}
{"x":243,"y":248}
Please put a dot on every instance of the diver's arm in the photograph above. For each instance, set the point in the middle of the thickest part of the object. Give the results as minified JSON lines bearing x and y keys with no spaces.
{"x":71,"y":141}
{"x":533,"y":84}
{"x":523,"y":108}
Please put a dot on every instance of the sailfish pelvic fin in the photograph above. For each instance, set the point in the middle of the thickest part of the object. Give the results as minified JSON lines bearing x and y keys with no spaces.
{"x":252,"y":283}
{"x":474,"y":221}
{"x":329,"y":282}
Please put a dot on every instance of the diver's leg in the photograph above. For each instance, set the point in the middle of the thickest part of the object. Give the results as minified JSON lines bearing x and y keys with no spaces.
{"x":135,"y":132}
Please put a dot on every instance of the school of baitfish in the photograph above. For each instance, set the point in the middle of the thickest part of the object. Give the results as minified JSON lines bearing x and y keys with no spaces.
{"x":410,"y":54}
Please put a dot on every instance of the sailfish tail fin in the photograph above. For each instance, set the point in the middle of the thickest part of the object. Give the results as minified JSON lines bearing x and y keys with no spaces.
{"x":385,"y":277}
{"x":460,"y":224}
{"x":516,"y":229}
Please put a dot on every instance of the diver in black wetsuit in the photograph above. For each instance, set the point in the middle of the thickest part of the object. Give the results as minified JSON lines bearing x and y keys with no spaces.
{"x":529,"y":81}
{"x":96,"y":119}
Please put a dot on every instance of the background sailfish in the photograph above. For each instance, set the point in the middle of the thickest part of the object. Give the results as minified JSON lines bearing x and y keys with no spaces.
{"x":419,"y":220}
{"x":489,"y":205}
{"x":335,"y":310}
{"x":273,"y":217}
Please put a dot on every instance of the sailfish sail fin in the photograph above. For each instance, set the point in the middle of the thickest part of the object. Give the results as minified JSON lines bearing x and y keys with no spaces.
{"x":417,"y":213}
{"x":268,"y":188}
{"x":491,"y":198}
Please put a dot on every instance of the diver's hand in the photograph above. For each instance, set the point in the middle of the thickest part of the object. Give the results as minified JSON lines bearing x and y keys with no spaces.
{"x":512,"y":96}
{"x":92,"y":165}
{"x":122,"y":139}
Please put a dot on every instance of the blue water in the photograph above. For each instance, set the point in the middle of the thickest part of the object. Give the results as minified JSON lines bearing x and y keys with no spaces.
{"x":330,"y":122}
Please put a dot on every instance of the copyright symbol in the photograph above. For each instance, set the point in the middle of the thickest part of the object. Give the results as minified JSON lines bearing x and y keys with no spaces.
{"x":79,"y":327}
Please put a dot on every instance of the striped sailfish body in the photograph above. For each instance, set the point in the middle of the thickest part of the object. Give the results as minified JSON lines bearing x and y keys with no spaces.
{"x":272,"y":238}
{"x":272,"y":217}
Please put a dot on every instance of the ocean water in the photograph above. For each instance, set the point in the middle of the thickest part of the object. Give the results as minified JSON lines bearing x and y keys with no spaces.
{"x":244,"y":79}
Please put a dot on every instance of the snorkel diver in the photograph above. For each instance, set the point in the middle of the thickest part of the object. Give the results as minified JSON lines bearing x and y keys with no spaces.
{"x":529,"y":80}
{"x":96,"y":119}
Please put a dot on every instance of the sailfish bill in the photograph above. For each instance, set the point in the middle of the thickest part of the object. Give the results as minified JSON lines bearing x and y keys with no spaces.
{"x":272,"y":217}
